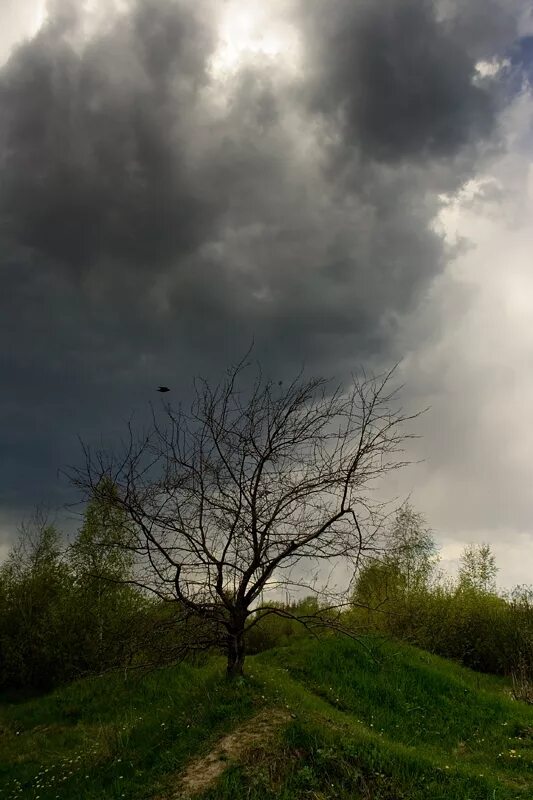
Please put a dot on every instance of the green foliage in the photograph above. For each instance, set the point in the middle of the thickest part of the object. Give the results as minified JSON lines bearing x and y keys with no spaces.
{"x":478,"y":629}
{"x":406,"y":567}
{"x":483,"y":631}
{"x":411,"y":550}
{"x":466,"y":621}
{"x":478,"y":569}
{"x":34,"y":581}
{"x":378,"y":588}
{"x":100,"y":552}
{"x":62,"y":611}
{"x":280,"y":629}
{"x":106,"y":611}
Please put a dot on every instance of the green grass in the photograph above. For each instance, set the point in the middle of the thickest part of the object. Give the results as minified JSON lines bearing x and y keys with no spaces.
{"x":110,"y":738}
{"x":395,"y":723}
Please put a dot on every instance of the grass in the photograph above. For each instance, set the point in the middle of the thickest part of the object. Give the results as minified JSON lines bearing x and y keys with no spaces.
{"x":111,"y":738}
{"x":395,"y":722}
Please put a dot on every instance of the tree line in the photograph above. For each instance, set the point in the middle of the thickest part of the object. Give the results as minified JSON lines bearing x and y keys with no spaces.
{"x":403,"y":593}
{"x":68,"y":610}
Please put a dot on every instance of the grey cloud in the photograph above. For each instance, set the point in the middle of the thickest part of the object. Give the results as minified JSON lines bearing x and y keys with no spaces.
{"x":485,"y":28}
{"x":93,"y":165}
{"x":521,"y":62}
{"x":153,"y":221}
{"x":400,"y":83}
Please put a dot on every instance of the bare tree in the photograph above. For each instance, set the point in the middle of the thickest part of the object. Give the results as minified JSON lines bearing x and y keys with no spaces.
{"x":252,"y":489}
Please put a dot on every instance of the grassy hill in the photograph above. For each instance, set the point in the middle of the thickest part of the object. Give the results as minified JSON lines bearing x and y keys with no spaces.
{"x":328,"y":719}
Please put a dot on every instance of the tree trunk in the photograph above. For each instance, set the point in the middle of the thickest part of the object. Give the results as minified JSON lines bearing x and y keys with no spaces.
{"x":236,"y":655}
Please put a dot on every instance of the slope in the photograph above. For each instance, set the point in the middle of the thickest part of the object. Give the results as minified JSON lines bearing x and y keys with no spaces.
{"x":374,"y":720}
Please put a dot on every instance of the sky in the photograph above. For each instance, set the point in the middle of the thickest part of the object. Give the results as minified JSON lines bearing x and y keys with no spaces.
{"x":343,"y":183}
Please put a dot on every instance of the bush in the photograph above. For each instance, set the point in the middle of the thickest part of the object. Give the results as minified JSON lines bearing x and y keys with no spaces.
{"x":55,"y":626}
{"x":482,"y":630}
{"x":278,"y":630}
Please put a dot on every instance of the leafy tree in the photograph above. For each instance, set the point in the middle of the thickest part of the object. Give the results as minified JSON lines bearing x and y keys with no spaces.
{"x":35,"y":580}
{"x":406,"y":564}
{"x":377,"y":586}
{"x":100,"y":553}
{"x":67,"y":612}
{"x":478,"y":570}
{"x":252,"y":489}
{"x":411,"y":549}
{"x":105,"y":603}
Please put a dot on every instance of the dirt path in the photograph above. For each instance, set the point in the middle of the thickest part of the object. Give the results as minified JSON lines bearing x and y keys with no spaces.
{"x":204,"y":772}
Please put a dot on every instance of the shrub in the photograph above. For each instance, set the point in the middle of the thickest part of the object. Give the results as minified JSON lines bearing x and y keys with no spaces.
{"x":482,"y":630}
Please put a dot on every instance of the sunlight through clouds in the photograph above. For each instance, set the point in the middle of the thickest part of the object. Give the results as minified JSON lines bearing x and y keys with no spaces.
{"x":20,"y":20}
{"x":253,"y":30}
{"x":478,"y":364}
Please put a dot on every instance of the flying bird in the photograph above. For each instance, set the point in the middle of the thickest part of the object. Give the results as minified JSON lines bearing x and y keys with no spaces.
{"x":163,"y":389}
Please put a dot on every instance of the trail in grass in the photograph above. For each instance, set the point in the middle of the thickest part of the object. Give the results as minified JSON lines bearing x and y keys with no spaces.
{"x":202,"y":773}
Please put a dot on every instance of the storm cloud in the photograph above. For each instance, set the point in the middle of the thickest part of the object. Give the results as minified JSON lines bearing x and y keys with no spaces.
{"x":166,"y":197}
{"x":397,"y":80}
{"x":94,"y":158}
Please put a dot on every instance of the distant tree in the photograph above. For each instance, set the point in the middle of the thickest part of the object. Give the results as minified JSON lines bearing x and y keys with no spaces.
{"x":478,"y":570}
{"x":35,"y":581}
{"x":406,"y":563}
{"x":377,"y":587}
{"x":100,"y":553}
{"x":38,"y":549}
{"x":249,"y":491}
{"x":102,"y":565}
{"x":411,"y":549}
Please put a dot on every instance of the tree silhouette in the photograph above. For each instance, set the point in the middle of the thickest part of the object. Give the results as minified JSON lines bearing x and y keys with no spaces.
{"x":253,"y":489}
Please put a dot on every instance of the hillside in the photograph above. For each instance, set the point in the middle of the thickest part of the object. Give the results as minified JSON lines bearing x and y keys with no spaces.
{"x":329,"y":719}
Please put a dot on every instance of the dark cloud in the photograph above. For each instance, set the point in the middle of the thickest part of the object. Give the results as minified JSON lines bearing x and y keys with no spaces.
{"x":93,"y":164}
{"x":484,"y":28}
{"x":155,"y":218}
{"x":399,"y":82}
